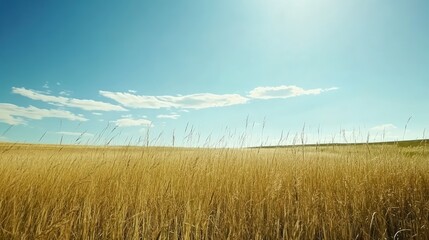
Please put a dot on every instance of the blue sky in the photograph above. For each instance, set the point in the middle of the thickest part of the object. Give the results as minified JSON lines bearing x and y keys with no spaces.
{"x":213,"y":72}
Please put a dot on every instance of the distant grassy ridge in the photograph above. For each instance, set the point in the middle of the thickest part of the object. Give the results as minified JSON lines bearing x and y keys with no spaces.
{"x":404,"y":143}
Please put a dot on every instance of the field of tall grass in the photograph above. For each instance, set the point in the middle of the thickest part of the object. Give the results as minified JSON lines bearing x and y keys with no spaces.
{"x":329,"y":192}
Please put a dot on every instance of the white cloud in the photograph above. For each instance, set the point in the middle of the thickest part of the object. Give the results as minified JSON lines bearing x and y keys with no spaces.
{"x":46,"y":85}
{"x":83,"y":134}
{"x":15,"y":115}
{"x":169,"y":116}
{"x":181,"y":102}
{"x":65,"y":93}
{"x":193,"y":101}
{"x":89,"y":105}
{"x":284,"y":91}
{"x":207,"y":100}
{"x":132,"y":91}
{"x":130,"y":122}
{"x":384,"y":127}
{"x":97,"y":113}
{"x":144,"y":129}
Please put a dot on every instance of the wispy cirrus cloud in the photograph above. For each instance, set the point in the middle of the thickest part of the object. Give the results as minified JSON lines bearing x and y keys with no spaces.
{"x":46,"y":85}
{"x":384,"y":127}
{"x":65,"y":93}
{"x":131,"y":122}
{"x":81,"y":134}
{"x":169,"y":116}
{"x":84,"y":104}
{"x":193,"y":101}
{"x":285,"y":91}
{"x":15,"y":115}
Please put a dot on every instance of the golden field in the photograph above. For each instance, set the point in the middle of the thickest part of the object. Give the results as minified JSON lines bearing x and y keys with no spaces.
{"x":330,"y":192}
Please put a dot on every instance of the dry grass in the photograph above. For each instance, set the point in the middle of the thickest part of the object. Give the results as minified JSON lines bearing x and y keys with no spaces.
{"x":349,"y":192}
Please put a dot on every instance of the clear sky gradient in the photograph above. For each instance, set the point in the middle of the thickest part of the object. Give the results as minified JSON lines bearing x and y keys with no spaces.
{"x":212,"y":73}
